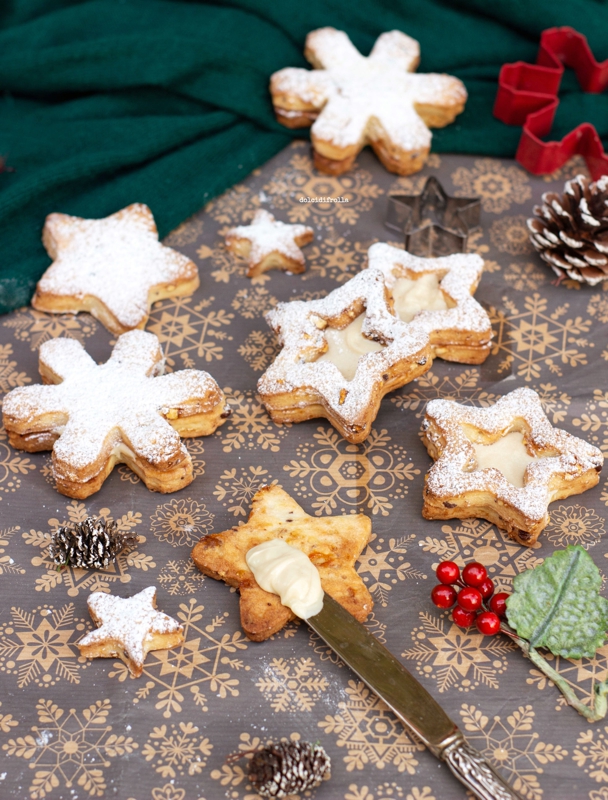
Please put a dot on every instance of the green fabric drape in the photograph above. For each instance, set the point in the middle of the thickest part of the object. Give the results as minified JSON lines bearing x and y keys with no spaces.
{"x":165,"y":102}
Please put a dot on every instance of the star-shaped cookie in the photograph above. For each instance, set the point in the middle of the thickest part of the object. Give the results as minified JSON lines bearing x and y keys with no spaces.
{"x":99,"y":415}
{"x":504,"y":463}
{"x":268,"y":243}
{"x":435,"y":295}
{"x":128,"y":628}
{"x":351,"y":101}
{"x":353,"y":327}
{"x":333,"y":544}
{"x":114,"y":268}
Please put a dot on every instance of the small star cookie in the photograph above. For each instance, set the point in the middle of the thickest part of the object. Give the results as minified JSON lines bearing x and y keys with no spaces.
{"x":99,"y":415}
{"x":128,"y":628}
{"x":333,"y":544}
{"x":268,"y":243}
{"x":504,"y":463}
{"x":352,"y":101}
{"x":114,"y":268}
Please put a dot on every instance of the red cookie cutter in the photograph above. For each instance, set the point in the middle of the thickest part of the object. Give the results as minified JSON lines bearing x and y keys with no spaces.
{"x":527,"y":96}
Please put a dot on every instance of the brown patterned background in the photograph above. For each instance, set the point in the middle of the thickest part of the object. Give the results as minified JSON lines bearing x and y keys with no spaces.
{"x":76,"y":729}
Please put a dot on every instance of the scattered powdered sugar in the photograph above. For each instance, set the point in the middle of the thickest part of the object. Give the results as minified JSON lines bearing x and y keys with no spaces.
{"x":129,"y":621}
{"x":268,"y":235}
{"x":103,"y":408}
{"x":520,"y":410}
{"x":117,"y":260}
{"x":365,"y":98}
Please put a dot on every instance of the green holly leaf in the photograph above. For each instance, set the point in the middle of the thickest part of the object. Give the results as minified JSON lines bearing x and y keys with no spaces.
{"x":557,"y":605}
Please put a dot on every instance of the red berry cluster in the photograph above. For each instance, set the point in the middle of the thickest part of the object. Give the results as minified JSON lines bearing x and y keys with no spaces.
{"x":476,"y":601}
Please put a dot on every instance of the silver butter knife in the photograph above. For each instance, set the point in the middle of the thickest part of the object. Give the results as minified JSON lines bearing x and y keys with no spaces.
{"x":408,"y":700}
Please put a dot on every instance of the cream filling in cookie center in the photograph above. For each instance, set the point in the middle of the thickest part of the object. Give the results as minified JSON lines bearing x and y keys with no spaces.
{"x":346,"y":346}
{"x":508,"y":455}
{"x":284,"y":570}
{"x":411,"y":296}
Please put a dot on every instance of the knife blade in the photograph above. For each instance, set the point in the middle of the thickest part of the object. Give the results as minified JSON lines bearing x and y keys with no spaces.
{"x":415,"y":708}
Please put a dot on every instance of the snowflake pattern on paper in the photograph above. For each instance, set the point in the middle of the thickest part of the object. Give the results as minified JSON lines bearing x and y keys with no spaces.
{"x":208,"y":658}
{"x":497,"y":186}
{"x":70,"y":749}
{"x":259,"y":349}
{"x":14,"y":466}
{"x":340,"y":477}
{"x":388,"y":790}
{"x":181,"y":522}
{"x":177,"y":750}
{"x":36,"y":327}
{"x":465,"y":388}
{"x":8,"y":565}
{"x":249,"y":427}
{"x":237,"y":487}
{"x":9,"y":376}
{"x":593,"y":423}
{"x":511,"y":235}
{"x":235,"y":207}
{"x":335,"y":258}
{"x":574,"y":525}
{"x":382,"y":567}
{"x":293,"y":684}
{"x":180,"y":577}
{"x":253,"y":302}
{"x":370,"y":733}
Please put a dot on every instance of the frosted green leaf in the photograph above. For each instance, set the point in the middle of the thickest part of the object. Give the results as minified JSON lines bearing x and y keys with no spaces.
{"x":557,"y":605}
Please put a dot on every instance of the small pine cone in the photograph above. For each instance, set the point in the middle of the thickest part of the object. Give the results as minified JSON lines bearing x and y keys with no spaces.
{"x":91,"y":544}
{"x":570,"y":231}
{"x":288,"y":768}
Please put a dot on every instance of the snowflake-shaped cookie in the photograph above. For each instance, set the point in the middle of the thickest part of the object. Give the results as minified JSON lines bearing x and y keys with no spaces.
{"x":268,"y":243}
{"x":114,"y":268}
{"x":333,"y":544}
{"x":128,"y":628}
{"x":381,"y":353}
{"x":436,"y":296}
{"x":351,"y":101}
{"x":504,"y":463}
{"x":118,"y":412}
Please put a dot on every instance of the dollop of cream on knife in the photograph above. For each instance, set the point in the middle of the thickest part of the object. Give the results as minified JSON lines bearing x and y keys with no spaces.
{"x":282,"y":569}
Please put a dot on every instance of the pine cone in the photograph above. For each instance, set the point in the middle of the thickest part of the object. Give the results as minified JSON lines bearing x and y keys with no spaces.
{"x":571,"y":231}
{"x":288,"y":768}
{"x":89,"y":544}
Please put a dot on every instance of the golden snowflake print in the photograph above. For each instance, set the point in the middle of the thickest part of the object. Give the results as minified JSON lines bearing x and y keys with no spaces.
{"x":594,"y":421}
{"x":598,"y":307}
{"x":382,"y":566}
{"x":465,"y":388}
{"x":599,"y":794}
{"x":177,"y":750}
{"x":188,"y":232}
{"x":513,"y":746}
{"x":236,"y":488}
{"x":181,"y":522}
{"x":235,"y":207}
{"x":573,"y":167}
{"x":35,"y":327}
{"x":455,"y":658}
{"x":191,"y":335}
{"x":209,"y":657}
{"x":259,"y":349}
{"x":497,"y":186}
{"x":39,"y":646}
{"x":77,"y":580}
{"x":511,"y":235}
{"x":526,"y":277}
{"x":591,"y":753}
{"x":478,"y":540}
{"x":574,"y":525}
{"x":293,"y":684}
{"x":389,"y":790}
{"x":325,"y":653}
{"x":294,"y":184}
{"x":253,"y":302}
{"x":7,"y":722}
{"x":531,"y":337}
{"x":227,"y":265}
{"x":9,"y":377}
{"x":336,"y":258}
{"x":8,"y":565}
{"x":370,"y":733}
{"x":180,"y":577}
{"x":340,"y":477}
{"x":249,"y":427}
{"x":414,"y":184}
{"x":555,"y":401}
{"x":13,"y":466}
{"x":70,"y":749}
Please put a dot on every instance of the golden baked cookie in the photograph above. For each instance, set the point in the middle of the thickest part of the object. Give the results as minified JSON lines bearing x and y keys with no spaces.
{"x":351,"y":101}
{"x":96,"y":416}
{"x":504,"y":463}
{"x":129,"y":628}
{"x":333,"y":544}
{"x":114,"y":268}
{"x":269,"y":244}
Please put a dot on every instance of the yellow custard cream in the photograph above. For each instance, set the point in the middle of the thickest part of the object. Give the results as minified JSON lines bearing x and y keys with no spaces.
{"x":412,"y":296}
{"x":508,"y":455}
{"x":284,"y":570}
{"x":347,"y":345}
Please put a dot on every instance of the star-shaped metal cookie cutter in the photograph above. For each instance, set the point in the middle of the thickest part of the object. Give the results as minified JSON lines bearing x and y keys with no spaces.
{"x":434,"y":223}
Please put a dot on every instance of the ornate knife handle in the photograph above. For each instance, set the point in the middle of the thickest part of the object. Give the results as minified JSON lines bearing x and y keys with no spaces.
{"x":475,"y":772}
